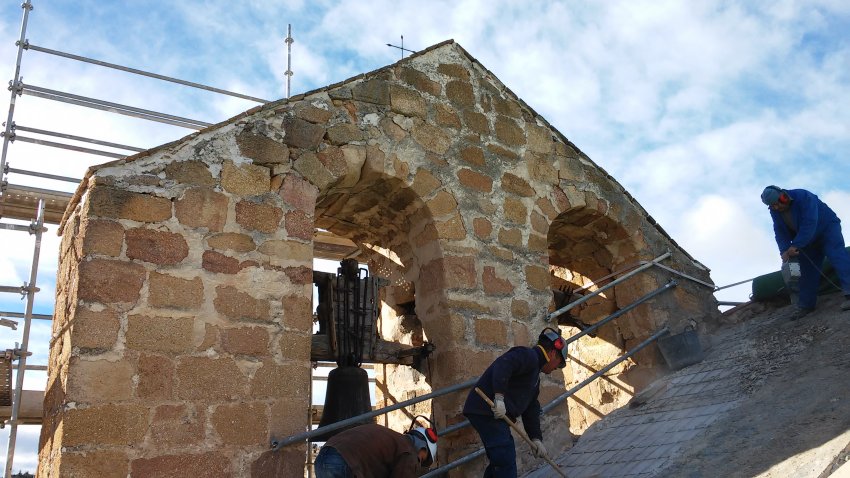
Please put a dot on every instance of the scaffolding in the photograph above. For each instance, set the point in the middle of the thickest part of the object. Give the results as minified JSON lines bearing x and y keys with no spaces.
{"x":46,"y":206}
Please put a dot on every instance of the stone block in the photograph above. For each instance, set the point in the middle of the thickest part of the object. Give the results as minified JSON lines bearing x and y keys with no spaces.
{"x":156,"y":377}
{"x":420,"y":81}
{"x":539,"y":223}
{"x":539,"y":139}
{"x":94,"y":464}
{"x":482,"y":227}
{"x":116,"y":203}
{"x":516,"y":185}
{"x":475,"y":180}
{"x":102,"y":237}
{"x":507,"y":107}
{"x":109,"y":281}
{"x":231,"y":241}
{"x":473,"y":155}
{"x":208,"y":378}
{"x":447,"y":116}
{"x":301,"y":275}
{"x":493,"y":284}
{"x":547,"y":208}
{"x":262,"y":149}
{"x":538,"y":243}
{"x":538,"y":277}
{"x":299,"y":194}
{"x":460,"y":94}
{"x":245,"y":179}
{"x":424,"y":182}
{"x":93,"y":381}
{"x":173,"y":292}
{"x":449,"y":272}
{"x":202,"y":207}
{"x":407,"y":102}
{"x":344,"y":133}
{"x":313,"y":170}
{"x":157,"y":247}
{"x":108,"y":424}
{"x":209,"y":465}
{"x":453,"y":70}
{"x":94,"y":330}
{"x":262,"y":217}
{"x":287,"y":251}
{"x":442,"y":203}
{"x":159,"y":334}
{"x":521,"y":335}
{"x":299,"y":225}
{"x":280,"y":381}
{"x":515,"y":211}
{"x":286,"y":462}
{"x":177,"y":425}
{"x":372,"y":91}
{"x":314,"y":114}
{"x":219,"y":263}
{"x":295,"y":346}
{"x":235,"y":304}
{"x":451,"y":229}
{"x":491,"y":332}
{"x":253,"y":341}
{"x":241,"y":423}
{"x":510,"y":237}
{"x":302,"y":134}
{"x":432,"y":138}
{"x":476,"y":122}
{"x":190,"y":172}
{"x":298,"y":312}
{"x":509,"y":132}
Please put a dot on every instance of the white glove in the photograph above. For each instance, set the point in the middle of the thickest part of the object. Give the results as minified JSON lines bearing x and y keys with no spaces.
{"x":538,"y":449}
{"x":498,"y":407}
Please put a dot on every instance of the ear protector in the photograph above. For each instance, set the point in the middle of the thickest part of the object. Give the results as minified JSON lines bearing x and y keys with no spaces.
{"x":554,"y":337}
{"x":784,"y":198}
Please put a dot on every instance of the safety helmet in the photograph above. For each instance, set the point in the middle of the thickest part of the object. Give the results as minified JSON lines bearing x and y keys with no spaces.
{"x":552,"y":338}
{"x":425,"y":438}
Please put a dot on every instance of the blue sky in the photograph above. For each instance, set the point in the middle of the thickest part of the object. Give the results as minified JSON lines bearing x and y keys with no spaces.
{"x":694,"y":106}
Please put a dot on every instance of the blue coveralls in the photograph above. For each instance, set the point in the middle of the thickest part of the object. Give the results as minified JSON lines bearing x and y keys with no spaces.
{"x":516,"y":375}
{"x":816,"y":233}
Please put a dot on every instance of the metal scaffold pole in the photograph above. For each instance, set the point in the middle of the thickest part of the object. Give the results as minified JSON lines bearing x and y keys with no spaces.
{"x":13,"y":86}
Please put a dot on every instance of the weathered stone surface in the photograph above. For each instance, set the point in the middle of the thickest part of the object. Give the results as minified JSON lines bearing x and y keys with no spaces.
{"x":173,"y":292}
{"x":431,"y":138}
{"x":510,"y":237}
{"x":507,"y":107}
{"x":314,"y":114}
{"x":505,"y":153}
{"x":202,"y":207}
{"x":157,"y":247}
{"x":159,"y":334}
{"x":262,"y":217}
{"x":476,"y":122}
{"x":446,"y":116}
{"x":95,"y":464}
{"x":420,"y":81}
{"x":424,"y":182}
{"x":217,"y":262}
{"x":108,"y":281}
{"x":93,"y":381}
{"x":97,"y":330}
{"x":238,"y":305}
{"x":190,"y":172}
{"x":252,"y":341}
{"x":211,"y":464}
{"x":177,"y":425}
{"x":156,"y":377}
{"x":449,"y":272}
{"x":441,"y":204}
{"x":491,"y":332}
{"x":208,"y":378}
{"x":452,"y":228}
{"x":509,"y":132}
{"x":538,"y":277}
{"x":279,"y":381}
{"x":299,"y":225}
{"x":372,"y":91}
{"x":122,"y":204}
{"x":517,"y":185}
{"x":475,"y":180}
{"x":454,"y":70}
{"x":299,"y":275}
{"x":313,"y":170}
{"x":482,"y":227}
{"x":108,"y":424}
{"x":241,"y":424}
{"x":473,"y":155}
{"x":520,"y":309}
{"x":493,"y":284}
{"x":295,"y":346}
{"x":407,"y":102}
{"x":302,"y":134}
{"x":102,"y":237}
{"x":287,"y":250}
{"x":297,"y":312}
{"x":262,"y":149}
{"x":299,"y":193}
{"x":515,"y":211}
{"x":344,"y":133}
{"x":245,"y":179}
{"x":231,"y":241}
{"x":460,"y":94}
{"x":539,"y":139}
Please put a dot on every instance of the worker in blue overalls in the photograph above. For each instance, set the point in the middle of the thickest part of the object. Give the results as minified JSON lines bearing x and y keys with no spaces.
{"x":808,"y":229}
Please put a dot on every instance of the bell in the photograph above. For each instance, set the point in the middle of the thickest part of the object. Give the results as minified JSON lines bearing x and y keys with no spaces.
{"x":347,"y":396}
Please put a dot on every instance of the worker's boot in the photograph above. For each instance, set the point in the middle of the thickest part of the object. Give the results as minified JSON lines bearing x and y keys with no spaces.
{"x":846,"y":304}
{"x":800,"y":313}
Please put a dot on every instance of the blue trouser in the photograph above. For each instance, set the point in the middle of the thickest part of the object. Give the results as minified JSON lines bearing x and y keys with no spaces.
{"x":329,"y":464}
{"x":499,"y":444}
{"x":829,"y":243}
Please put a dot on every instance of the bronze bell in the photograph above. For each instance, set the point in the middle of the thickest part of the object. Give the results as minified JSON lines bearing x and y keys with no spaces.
{"x":347,"y":396}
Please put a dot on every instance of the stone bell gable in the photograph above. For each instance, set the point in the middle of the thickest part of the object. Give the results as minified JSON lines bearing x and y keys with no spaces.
{"x":184,"y":315}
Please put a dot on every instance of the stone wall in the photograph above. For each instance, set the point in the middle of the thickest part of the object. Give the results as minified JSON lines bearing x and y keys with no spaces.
{"x":183,"y":312}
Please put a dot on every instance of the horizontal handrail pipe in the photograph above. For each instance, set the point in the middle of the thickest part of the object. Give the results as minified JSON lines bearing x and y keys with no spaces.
{"x":686,"y":276}
{"x":733,"y":285}
{"x":135,"y":71}
{"x":70,"y":147}
{"x":598,"y":291}
{"x":21,"y":315}
{"x":37,"y":174}
{"x":450,"y":466}
{"x":74,"y":137}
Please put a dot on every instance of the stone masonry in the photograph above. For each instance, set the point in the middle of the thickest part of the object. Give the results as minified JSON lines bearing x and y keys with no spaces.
{"x":184,"y":301}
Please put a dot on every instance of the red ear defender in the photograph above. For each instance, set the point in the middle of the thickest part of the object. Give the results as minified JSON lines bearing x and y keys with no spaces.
{"x":432,"y":435}
{"x":783,"y":198}
{"x":558,"y":344}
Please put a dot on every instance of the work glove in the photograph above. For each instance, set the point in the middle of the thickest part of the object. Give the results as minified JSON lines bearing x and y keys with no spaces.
{"x":498,"y":407}
{"x":537,"y":448}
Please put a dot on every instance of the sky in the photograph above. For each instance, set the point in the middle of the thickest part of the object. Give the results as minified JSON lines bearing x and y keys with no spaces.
{"x":693,"y":106}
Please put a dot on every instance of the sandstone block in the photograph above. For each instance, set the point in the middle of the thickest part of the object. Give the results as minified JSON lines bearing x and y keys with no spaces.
{"x":190,"y":172}
{"x":262,"y":149}
{"x":344,"y":133}
{"x":253,"y":341}
{"x":538,"y":243}
{"x":520,"y":309}
{"x":102,"y":237}
{"x":472,"y":155}
{"x":442,"y":203}
{"x":424,"y":183}
{"x":94,"y":330}
{"x":313,"y":170}
{"x":279,"y":463}
{"x":299,"y":193}
{"x":420,"y":81}
{"x":238,"y":305}
{"x":482,"y":227}
{"x":407,"y":102}
{"x":206,"y":378}
{"x":446,"y":116}
{"x":510,"y":237}
{"x":299,"y":225}
{"x":262,"y":217}
{"x":202,"y":207}
{"x":493,"y":284}
{"x":94,"y":464}
{"x":210,"y":464}
{"x":108,"y":424}
{"x":476,"y":122}
{"x":177,"y":425}
{"x":449,"y":272}
{"x":294,"y":346}
{"x":517,"y":185}
{"x":242,"y":423}
{"x":460,"y":94}
{"x":122,"y":204}
{"x":491,"y":332}
{"x":301,"y":275}
{"x":538,"y":277}
{"x":219,"y":263}
{"x":515,"y":211}
{"x":453,"y":70}
{"x":109,"y":281}
{"x":451,"y":229}
{"x":539,"y":223}
{"x":245,"y":179}
{"x":507,"y":107}
{"x":298,"y":312}
{"x":539,"y":139}
{"x":287,"y":250}
{"x":157,"y":247}
{"x":156,"y":377}
{"x":173,"y":292}
{"x":302,"y":134}
{"x":432,"y":138}
{"x":231,"y":241}
{"x":314,"y":114}
{"x":372,"y":91}
{"x":280,"y":381}
{"x":93,"y":381}
{"x":475,"y":180}
{"x":159,"y":334}
{"x":509,"y":132}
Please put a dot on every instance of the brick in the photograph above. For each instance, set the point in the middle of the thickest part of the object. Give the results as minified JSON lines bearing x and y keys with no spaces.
{"x":219,"y":263}
{"x":494,"y":285}
{"x":475,"y":180}
{"x":93,"y":381}
{"x":235,"y":304}
{"x":432,"y":138}
{"x":482,"y":227}
{"x":538,"y":277}
{"x":280,"y":381}
{"x":121,"y":204}
{"x":407,"y":102}
{"x":208,"y":465}
{"x":490,"y":332}
{"x":156,"y":377}
{"x":515,"y":211}
{"x":460,"y":94}
{"x":299,"y":225}
{"x":476,"y":122}
{"x":102,"y":237}
{"x":241,"y":424}
{"x":207,"y":378}
{"x":298,"y":193}
{"x":252,"y":341}
{"x":109,"y":424}
{"x":302,"y":134}
{"x":517,"y":185}
{"x":202,"y":207}
{"x":231,"y":241}
{"x":157,"y":247}
{"x":94,"y":464}
{"x":262,"y":149}
{"x":94,"y":330}
{"x":175,"y":293}
{"x":190,"y":172}
{"x":260,"y":217}
{"x":109,"y":281}
{"x":245,"y":179}
{"x":177,"y":425}
{"x":159,"y":334}
{"x":510,"y":237}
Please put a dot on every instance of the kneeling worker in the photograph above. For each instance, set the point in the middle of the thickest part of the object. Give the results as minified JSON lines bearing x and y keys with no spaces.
{"x":513,"y":380}
{"x":373,"y":451}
